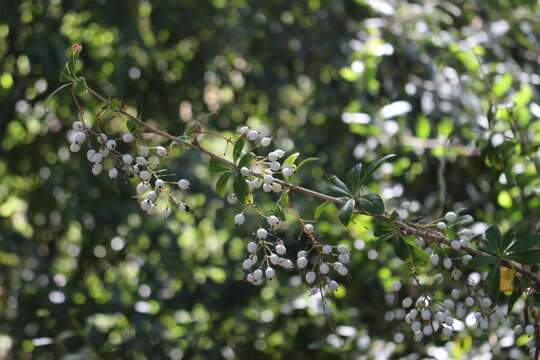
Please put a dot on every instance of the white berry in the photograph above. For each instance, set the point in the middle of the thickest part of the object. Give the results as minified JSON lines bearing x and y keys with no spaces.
{"x":232,"y":199}
{"x":272,"y":220}
{"x":78,"y":125}
{"x":127,"y":138}
{"x":287,"y":170}
{"x":239,"y":219}
{"x":441,"y":225}
{"x":251,"y":247}
{"x":280,"y":249}
{"x":301,"y":262}
{"x":324,"y":268}
{"x":310,"y":277}
{"x":183,"y":184}
{"x":161,"y":151}
{"x":270,"y":273}
{"x":252,"y":135}
{"x":450,"y":216}
{"x":145,"y":175}
{"x":127,"y":159}
{"x":74,"y":147}
{"x":265,"y":141}
{"x":262,"y":234}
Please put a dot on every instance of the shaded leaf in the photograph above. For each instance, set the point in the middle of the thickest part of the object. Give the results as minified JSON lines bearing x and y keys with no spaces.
{"x":493,"y":281}
{"x":345,"y":213}
{"x":494,"y":239}
{"x":241,"y":188}
{"x":372,"y":203}
{"x":353,"y":178}
{"x":339,"y":186}
{"x":526,"y":243}
{"x":480,"y":262}
{"x":246,"y":159}
{"x":402,"y":249}
{"x":516,"y":294}
{"x":531,"y":257}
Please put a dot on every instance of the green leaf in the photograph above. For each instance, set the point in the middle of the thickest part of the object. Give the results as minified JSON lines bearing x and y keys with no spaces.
{"x":241,"y":188}
{"x":221,"y":184}
{"x":383,"y":227}
{"x":531,"y":257}
{"x":372,"y":167}
{"x":480,"y":262}
{"x":305,"y":161}
{"x":320,"y":209}
{"x":280,"y":213}
{"x":516,"y":294}
{"x":339,"y":186}
{"x":372,"y":203}
{"x":216,"y":166}
{"x":420,"y":257}
{"x":116,"y":104}
{"x":402,"y":249}
{"x":284,"y":198}
{"x":508,"y":239}
{"x":65,"y":75}
{"x":526,"y":243}
{"x":353,"y":178}
{"x":238,"y":147}
{"x":494,"y":239}
{"x":80,"y":86}
{"x":72,"y":62}
{"x":246,"y":159}
{"x":493,"y":282}
{"x":134,"y":127}
{"x":291,"y":159}
{"x":345,"y":213}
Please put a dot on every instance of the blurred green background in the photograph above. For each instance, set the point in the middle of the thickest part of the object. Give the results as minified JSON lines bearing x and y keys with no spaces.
{"x":449,"y":86}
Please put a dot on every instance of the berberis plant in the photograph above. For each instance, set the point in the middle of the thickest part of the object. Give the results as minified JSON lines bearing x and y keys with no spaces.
{"x":485,"y":272}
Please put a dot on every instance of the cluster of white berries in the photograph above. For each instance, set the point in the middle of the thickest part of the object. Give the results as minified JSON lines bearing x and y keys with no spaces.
{"x":264,"y":254}
{"x":324,"y":259}
{"x":104,"y":152}
{"x":468,"y":303}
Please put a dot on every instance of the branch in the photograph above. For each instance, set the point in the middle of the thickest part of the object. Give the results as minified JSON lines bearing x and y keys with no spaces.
{"x":406,"y":228}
